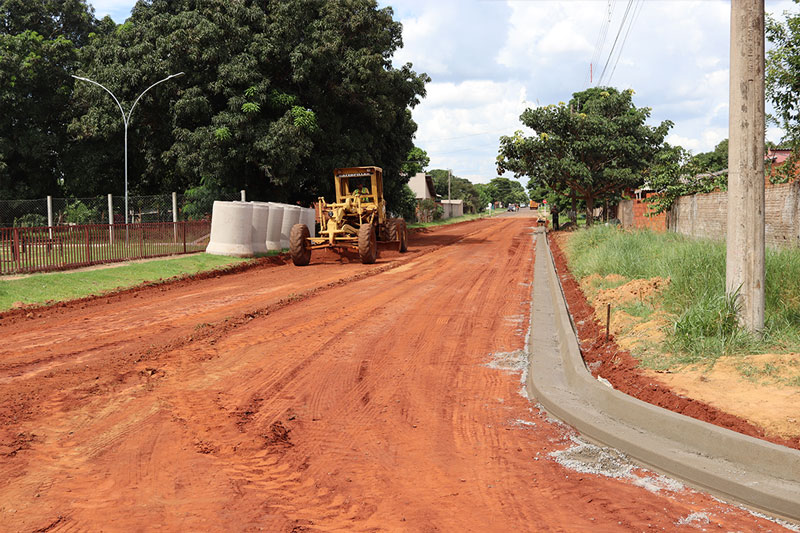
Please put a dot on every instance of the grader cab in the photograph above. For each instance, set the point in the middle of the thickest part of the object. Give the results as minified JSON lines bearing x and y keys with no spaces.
{"x":357,"y":220}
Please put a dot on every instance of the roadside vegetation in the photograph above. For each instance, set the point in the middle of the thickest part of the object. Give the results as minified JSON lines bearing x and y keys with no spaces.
{"x":697,"y":320}
{"x":60,"y":286}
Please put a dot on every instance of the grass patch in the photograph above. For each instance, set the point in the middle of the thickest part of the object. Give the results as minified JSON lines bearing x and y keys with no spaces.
{"x":60,"y":286}
{"x":703,"y":318}
{"x":455,"y":220}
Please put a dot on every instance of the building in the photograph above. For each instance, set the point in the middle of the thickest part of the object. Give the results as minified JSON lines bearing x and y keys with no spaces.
{"x":452,"y":208}
{"x":422,"y":185}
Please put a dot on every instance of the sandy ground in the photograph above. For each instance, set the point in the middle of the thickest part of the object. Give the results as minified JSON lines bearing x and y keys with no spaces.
{"x":334,"y":397}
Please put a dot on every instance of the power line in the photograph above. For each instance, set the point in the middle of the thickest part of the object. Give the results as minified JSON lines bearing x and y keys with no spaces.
{"x":637,"y":11}
{"x":616,"y":39}
{"x":601,"y":40}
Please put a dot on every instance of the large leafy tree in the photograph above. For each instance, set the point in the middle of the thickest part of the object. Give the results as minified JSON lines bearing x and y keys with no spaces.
{"x":39,"y":43}
{"x":595,"y":147}
{"x":276,"y":94}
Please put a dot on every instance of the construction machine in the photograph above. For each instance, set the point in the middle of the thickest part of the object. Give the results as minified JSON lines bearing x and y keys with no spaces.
{"x":357,"y":220}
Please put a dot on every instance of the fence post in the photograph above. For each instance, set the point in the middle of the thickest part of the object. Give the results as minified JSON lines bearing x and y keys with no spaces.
{"x":184,"y":237}
{"x":110,"y":219}
{"x":175,"y":216}
{"x":243,"y":195}
{"x":88,"y":245}
{"x":50,"y":216}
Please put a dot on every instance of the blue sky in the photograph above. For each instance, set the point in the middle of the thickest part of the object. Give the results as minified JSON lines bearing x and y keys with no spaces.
{"x":490,"y":59}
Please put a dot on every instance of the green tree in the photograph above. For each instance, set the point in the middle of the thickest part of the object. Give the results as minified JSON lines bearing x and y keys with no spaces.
{"x":416,"y":161}
{"x":39,"y":40}
{"x":596,"y":146}
{"x":675,"y":173}
{"x":712,"y":161}
{"x":276,"y":95}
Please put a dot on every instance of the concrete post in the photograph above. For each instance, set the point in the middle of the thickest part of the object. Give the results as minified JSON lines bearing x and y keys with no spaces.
{"x":50,"y":216}
{"x":745,"y":234}
{"x":110,"y":219}
{"x":175,"y":216}
{"x":243,"y":196}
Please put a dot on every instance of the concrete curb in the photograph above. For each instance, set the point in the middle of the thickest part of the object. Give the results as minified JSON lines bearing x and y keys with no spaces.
{"x":754,"y":472}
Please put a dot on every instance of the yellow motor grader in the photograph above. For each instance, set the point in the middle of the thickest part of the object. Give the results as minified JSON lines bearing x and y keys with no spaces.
{"x":357,"y":220}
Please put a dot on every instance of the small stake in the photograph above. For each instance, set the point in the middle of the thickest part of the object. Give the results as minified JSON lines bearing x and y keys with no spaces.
{"x":608,"y":319}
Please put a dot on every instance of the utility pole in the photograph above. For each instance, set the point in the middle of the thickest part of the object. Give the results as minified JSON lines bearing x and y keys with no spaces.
{"x":744,"y":268}
{"x":449,"y":205}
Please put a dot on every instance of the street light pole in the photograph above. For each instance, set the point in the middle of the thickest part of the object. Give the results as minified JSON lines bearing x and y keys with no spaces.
{"x":126,"y":120}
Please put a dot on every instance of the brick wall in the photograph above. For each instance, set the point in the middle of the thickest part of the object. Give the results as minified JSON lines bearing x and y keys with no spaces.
{"x":634,"y":214}
{"x":706,"y":215}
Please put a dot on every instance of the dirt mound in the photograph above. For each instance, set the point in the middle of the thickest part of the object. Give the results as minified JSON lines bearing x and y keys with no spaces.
{"x":635,"y":290}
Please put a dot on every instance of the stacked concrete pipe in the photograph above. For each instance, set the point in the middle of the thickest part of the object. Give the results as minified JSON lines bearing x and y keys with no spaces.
{"x":291,"y":216}
{"x":231,"y":229}
{"x":274,"y":225}
{"x":309,"y":218}
{"x":260,"y":221}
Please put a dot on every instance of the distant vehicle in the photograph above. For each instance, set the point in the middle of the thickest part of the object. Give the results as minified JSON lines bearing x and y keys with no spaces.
{"x":512,"y":207}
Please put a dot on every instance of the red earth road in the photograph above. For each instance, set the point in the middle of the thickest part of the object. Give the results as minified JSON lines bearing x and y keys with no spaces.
{"x":334,"y":397}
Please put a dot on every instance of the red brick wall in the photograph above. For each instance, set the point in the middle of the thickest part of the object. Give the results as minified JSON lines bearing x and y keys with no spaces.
{"x":641,"y":221}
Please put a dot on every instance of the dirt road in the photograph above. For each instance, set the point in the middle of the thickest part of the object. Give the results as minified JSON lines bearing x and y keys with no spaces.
{"x":334,"y":397}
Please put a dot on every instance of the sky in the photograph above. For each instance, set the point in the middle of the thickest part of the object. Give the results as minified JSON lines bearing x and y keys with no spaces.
{"x":489,"y":60}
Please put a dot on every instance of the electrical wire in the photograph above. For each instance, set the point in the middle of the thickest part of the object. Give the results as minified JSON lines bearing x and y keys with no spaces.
{"x":637,"y":11}
{"x":600,"y":41}
{"x":616,"y":39}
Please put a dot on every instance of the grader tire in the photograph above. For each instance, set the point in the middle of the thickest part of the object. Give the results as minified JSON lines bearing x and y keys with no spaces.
{"x":298,"y":245}
{"x":367,"y":244}
{"x":391,"y":229}
{"x":402,"y":234}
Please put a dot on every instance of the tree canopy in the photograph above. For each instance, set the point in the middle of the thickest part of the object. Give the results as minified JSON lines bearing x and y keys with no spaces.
{"x":276,"y":94}
{"x":503,"y":190}
{"x":595,"y":147}
{"x":40,"y":43}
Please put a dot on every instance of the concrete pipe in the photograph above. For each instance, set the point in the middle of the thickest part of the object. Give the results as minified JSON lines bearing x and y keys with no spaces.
{"x":291,"y":216}
{"x":309,"y":218}
{"x":231,"y":229}
{"x":260,"y":221}
{"x":274,"y":225}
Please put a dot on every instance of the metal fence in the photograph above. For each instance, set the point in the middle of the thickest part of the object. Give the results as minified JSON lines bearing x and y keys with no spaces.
{"x":96,"y":210}
{"x":39,"y":249}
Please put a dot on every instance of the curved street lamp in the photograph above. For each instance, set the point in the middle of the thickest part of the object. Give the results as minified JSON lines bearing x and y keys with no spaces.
{"x":126,"y":120}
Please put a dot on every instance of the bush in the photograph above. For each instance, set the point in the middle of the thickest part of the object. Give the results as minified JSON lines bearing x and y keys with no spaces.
{"x":79,"y":213}
{"x":30,"y":220}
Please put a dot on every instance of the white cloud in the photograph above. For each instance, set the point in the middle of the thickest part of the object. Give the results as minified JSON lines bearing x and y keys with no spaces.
{"x":460,"y":124}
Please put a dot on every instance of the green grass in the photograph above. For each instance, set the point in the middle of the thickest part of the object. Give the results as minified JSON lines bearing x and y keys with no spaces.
{"x":454,"y":220}
{"x":704,"y":324}
{"x":59,"y":286}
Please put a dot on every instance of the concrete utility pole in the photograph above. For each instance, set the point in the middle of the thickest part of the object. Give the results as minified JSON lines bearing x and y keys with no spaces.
{"x":449,"y":205}
{"x":744,"y":269}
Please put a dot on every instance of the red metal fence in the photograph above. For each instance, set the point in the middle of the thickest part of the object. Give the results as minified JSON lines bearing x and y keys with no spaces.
{"x":62,"y":247}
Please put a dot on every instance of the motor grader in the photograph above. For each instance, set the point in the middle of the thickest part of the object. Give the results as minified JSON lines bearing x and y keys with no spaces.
{"x":357,"y":220}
